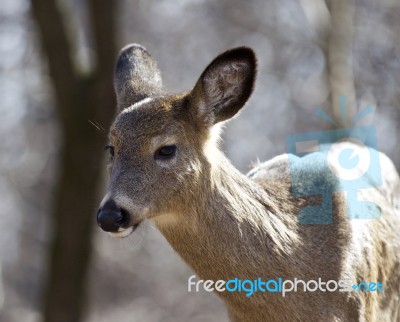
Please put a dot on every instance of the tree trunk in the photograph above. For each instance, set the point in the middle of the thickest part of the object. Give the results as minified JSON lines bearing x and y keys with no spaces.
{"x":79,"y":99}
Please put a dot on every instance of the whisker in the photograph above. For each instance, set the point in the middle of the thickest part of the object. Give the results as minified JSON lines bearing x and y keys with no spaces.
{"x":98,"y":126}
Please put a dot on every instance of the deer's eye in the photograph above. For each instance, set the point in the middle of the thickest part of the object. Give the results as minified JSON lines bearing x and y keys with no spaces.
{"x":165,"y":152}
{"x":110,"y":148}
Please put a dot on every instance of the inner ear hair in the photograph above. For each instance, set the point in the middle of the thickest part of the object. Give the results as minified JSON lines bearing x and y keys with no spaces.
{"x":225,"y":85}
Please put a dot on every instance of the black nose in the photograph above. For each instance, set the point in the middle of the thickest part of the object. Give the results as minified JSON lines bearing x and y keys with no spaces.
{"x":110,"y":217}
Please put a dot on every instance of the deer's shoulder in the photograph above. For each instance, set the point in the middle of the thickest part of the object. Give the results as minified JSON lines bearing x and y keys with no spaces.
{"x":305,"y":172}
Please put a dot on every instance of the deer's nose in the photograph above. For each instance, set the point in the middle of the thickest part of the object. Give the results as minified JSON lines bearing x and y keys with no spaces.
{"x":110,"y":217}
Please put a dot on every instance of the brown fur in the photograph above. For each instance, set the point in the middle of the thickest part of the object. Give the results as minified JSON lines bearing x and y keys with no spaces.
{"x":225,"y":224}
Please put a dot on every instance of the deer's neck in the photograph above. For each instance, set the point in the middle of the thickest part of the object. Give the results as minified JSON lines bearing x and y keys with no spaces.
{"x":234,"y":228}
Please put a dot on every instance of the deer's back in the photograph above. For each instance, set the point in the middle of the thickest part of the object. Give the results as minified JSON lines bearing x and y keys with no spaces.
{"x":357,"y":249}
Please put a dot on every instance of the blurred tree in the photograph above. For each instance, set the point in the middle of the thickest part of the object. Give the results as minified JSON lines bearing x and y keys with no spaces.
{"x":79,"y":97}
{"x":333,"y":22}
{"x":340,"y":58}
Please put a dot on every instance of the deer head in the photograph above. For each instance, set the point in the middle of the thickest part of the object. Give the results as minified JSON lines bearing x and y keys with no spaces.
{"x":161,"y":144}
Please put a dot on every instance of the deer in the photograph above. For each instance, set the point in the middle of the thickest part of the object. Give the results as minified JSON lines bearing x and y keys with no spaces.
{"x":166,"y":167}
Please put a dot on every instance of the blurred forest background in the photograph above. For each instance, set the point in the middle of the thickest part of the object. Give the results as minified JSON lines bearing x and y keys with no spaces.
{"x":56,"y":62}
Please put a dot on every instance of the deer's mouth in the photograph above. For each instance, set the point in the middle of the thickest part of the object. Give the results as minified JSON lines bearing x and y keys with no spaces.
{"x":124,"y":232}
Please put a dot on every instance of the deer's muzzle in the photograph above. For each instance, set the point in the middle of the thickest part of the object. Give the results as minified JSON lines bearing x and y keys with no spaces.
{"x":112,"y":218}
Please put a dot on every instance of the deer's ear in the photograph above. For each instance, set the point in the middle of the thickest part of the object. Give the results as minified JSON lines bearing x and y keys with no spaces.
{"x":225,"y":85}
{"x":136,"y":76}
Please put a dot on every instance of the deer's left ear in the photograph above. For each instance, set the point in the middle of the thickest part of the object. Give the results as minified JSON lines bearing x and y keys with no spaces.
{"x":225,"y":86}
{"x":136,"y":76}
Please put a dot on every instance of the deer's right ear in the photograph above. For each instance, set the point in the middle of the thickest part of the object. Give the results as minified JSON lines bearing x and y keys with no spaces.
{"x":136,"y":76}
{"x":225,"y":86}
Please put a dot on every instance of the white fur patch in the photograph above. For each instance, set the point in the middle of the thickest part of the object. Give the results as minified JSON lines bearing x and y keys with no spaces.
{"x":165,"y":220}
{"x":210,"y":148}
{"x":136,"y":105}
{"x":105,"y":199}
{"x":122,"y":232}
